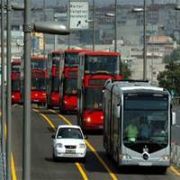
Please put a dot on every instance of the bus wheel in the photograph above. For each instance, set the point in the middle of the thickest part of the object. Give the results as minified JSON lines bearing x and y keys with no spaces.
{"x":117,"y":156}
{"x":162,"y":170}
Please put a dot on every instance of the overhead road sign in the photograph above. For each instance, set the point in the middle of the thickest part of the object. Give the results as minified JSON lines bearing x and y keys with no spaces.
{"x":78,"y":14}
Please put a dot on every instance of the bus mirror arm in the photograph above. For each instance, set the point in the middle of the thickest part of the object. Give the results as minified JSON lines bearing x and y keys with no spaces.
{"x":173,"y":121}
{"x":118,"y":110}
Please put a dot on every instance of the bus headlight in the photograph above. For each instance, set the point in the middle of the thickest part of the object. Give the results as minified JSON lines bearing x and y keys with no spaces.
{"x":102,"y":117}
{"x":44,"y":94}
{"x":88,"y":119}
{"x":165,"y":158}
{"x":125,"y":157}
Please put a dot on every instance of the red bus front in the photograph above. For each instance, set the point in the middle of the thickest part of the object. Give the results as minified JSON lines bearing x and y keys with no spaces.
{"x":16,"y":88}
{"x":55,"y":60}
{"x":96,"y":68}
{"x":16,"y":91}
{"x":39,"y":80}
{"x":69,"y":95}
{"x":92,"y":113}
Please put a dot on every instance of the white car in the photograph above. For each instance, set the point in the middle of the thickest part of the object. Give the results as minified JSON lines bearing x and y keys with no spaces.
{"x":69,"y":142}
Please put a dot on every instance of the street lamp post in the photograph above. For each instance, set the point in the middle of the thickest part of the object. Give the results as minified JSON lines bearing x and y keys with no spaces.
{"x":43,"y":27}
{"x":144,"y":42}
{"x":27,"y":93}
{"x":144,"y":39}
{"x":3,"y":99}
{"x":115,"y":24}
{"x":93,"y":25}
{"x":8,"y":110}
{"x":55,"y":36}
{"x":10,"y":7}
{"x":115,"y":27}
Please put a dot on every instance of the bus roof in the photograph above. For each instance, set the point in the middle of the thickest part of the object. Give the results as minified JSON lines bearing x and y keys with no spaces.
{"x":38,"y":57}
{"x":58,"y":51}
{"x":74,"y":50}
{"x":16,"y":61}
{"x":126,"y":88}
{"x":100,"y":53}
{"x":131,"y":86}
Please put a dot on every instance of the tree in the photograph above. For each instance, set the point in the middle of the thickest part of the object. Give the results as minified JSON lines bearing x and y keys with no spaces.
{"x":125,"y":71}
{"x":174,"y":56}
{"x":169,"y":78}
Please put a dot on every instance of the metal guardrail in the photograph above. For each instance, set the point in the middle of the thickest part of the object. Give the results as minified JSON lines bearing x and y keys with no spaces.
{"x":175,"y":154}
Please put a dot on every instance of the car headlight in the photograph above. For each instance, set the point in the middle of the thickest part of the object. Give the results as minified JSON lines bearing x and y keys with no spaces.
{"x":82,"y":145}
{"x":88,"y":119}
{"x":59,"y":145}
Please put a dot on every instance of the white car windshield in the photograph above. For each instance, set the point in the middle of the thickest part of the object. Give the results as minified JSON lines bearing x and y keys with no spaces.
{"x":69,"y":133}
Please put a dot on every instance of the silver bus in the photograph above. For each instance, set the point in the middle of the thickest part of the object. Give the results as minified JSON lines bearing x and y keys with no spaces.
{"x":137,"y":123}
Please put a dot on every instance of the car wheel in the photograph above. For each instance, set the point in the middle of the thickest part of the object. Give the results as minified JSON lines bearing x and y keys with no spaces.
{"x":83,"y":160}
{"x":55,"y":158}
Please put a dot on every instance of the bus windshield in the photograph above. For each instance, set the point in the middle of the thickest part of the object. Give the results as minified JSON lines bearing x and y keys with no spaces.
{"x":145,"y":119}
{"x":108,"y":64}
{"x":15,"y":68}
{"x":38,"y":84}
{"x":41,"y":64}
{"x":15,"y":85}
{"x":70,"y":86}
{"x":55,"y":84}
{"x":71,"y":59}
{"x":55,"y":61}
{"x":93,"y":98}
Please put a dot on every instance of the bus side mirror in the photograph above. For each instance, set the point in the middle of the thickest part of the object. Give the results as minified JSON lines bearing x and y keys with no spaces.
{"x":173,"y":118}
{"x":118,"y":107}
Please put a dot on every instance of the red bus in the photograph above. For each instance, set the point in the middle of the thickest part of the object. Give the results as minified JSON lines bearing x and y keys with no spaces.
{"x":16,"y":81}
{"x":69,"y":80}
{"x":95,"y":68}
{"x":39,"y":79}
{"x":55,"y":67}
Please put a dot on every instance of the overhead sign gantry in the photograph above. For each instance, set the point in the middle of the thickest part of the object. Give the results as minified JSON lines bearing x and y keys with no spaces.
{"x":78,"y":14}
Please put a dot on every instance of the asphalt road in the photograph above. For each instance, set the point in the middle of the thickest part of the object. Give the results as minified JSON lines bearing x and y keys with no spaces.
{"x":97,"y":166}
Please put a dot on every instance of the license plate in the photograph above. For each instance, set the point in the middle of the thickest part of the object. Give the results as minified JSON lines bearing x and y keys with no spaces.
{"x":35,"y":100}
{"x":145,"y":164}
{"x":70,"y":151}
